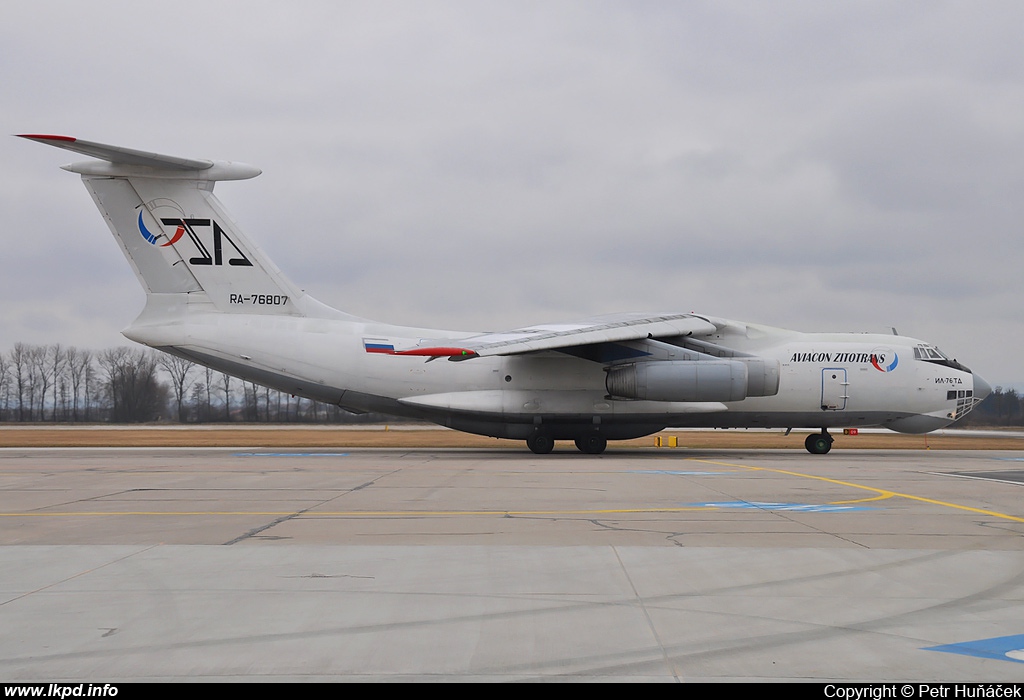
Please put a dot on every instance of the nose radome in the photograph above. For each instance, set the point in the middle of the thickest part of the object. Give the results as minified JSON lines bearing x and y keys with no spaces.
{"x":981,"y":387}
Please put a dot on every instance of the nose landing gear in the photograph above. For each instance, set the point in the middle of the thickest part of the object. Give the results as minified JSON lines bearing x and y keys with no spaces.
{"x":819,"y":443}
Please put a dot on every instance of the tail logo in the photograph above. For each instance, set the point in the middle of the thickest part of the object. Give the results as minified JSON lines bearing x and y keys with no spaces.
{"x":183,"y":225}
{"x":152,"y":239}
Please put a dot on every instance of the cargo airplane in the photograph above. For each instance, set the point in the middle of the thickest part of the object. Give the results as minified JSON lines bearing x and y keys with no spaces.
{"x":213,"y":297}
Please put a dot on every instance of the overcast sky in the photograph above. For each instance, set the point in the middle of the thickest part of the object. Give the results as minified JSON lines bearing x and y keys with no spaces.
{"x":843,"y":166}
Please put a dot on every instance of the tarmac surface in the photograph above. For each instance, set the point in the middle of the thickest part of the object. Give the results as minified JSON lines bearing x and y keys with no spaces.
{"x":641,"y":564}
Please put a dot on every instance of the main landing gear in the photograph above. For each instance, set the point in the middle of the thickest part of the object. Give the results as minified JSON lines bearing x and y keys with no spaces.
{"x":819,"y":443}
{"x":591,"y":445}
{"x":542,"y":444}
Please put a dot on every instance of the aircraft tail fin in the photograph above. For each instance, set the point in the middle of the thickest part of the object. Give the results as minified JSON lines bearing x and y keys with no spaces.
{"x":176,"y":234}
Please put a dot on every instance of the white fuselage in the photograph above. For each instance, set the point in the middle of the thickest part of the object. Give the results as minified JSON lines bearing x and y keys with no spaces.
{"x":826,"y":380}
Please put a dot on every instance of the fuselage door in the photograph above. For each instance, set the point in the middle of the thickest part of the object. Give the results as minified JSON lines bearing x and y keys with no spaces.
{"x":834,"y":389}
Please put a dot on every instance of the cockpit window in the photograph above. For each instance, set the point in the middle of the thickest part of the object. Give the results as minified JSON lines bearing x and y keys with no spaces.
{"x":930,"y":353}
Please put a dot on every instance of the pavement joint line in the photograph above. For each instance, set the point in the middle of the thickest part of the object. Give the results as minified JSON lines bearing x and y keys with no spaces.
{"x":882,"y":494}
{"x":651,"y":627}
{"x":362,"y":513}
{"x":79,"y":574}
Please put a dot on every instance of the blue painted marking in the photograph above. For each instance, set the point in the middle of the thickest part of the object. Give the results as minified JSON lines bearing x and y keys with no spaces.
{"x":1011,"y":459}
{"x":145,"y":231}
{"x":1003,"y":648}
{"x":291,"y":454}
{"x":798,"y":507}
{"x":673,"y":473}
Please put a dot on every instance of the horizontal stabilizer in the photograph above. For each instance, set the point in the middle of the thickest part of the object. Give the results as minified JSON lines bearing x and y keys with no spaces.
{"x":119,"y":154}
{"x":128,"y":162}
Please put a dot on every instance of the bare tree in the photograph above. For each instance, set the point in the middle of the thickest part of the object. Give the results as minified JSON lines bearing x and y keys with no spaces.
{"x":179,"y":368}
{"x":38,"y":381}
{"x":89,"y":387}
{"x":55,"y":361}
{"x":197,"y":402}
{"x":5,"y":387}
{"x":79,"y":364}
{"x":252,"y":401}
{"x":208,"y":388}
{"x":132,"y":387}
{"x":226,"y":384}
{"x":20,"y":375}
{"x":38,"y":357}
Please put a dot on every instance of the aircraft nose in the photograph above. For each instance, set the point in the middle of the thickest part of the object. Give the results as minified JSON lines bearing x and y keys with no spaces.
{"x":981,"y":387}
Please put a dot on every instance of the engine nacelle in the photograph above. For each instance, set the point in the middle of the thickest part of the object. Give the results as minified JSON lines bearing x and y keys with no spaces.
{"x":695,"y":380}
{"x":687,"y":380}
{"x":762,"y":376}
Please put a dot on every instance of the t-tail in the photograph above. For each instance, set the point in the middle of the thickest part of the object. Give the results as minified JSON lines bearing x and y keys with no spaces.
{"x":186,"y":251}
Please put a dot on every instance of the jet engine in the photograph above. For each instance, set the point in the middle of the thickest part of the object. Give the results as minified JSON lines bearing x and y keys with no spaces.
{"x":688,"y":380}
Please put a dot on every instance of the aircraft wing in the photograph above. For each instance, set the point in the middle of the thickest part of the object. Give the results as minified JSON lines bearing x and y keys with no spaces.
{"x":558,"y":336}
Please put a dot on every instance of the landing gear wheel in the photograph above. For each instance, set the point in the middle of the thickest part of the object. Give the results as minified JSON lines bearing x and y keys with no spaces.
{"x":818,"y":443}
{"x":540,"y":444}
{"x":592,"y":444}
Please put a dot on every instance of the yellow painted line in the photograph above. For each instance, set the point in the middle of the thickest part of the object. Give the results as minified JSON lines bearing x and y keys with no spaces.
{"x":880,"y":497}
{"x":883,"y":493}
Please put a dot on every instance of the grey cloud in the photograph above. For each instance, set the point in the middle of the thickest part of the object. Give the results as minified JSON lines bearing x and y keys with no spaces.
{"x":481,"y":165}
